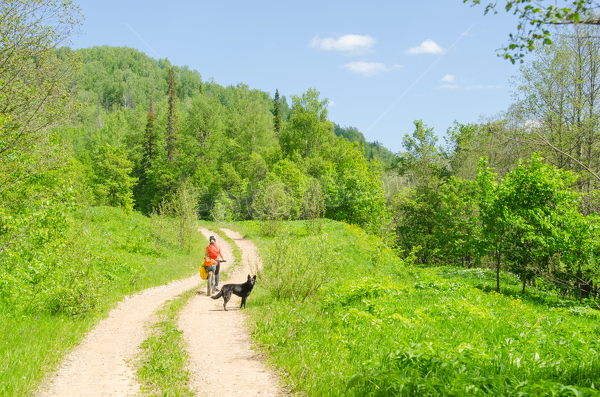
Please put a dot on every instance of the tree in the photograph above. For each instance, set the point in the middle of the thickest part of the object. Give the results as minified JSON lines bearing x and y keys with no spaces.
{"x":308,"y":129}
{"x":458,"y":230}
{"x":418,"y":207}
{"x":276,"y":113}
{"x":271,"y":205}
{"x":163,"y":179}
{"x":35,"y":83}
{"x":536,"y":18}
{"x":536,"y":199}
{"x":201,"y":126}
{"x":225,"y":208}
{"x":249,"y":121}
{"x":183,"y":205}
{"x":423,"y":160}
{"x":577,"y":266}
{"x":314,"y":203}
{"x":113,"y":184}
{"x":35,"y":98}
{"x":416,"y":213}
{"x":296,"y":183}
{"x":491,"y":214}
{"x":559,"y":104}
{"x":150,"y":138}
{"x":149,"y":154}
{"x":172,"y":121}
{"x":499,"y":138}
{"x":354,"y":188}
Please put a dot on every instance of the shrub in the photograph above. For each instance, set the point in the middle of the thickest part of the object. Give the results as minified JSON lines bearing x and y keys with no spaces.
{"x":296,"y":269}
{"x":225,"y":209}
{"x":272,"y":205}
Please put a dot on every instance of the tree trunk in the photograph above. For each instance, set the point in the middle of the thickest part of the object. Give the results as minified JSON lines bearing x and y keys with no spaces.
{"x":498,"y":271}
{"x":579,"y":275}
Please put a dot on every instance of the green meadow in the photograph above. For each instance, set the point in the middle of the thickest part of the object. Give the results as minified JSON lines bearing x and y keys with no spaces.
{"x":381,"y":326}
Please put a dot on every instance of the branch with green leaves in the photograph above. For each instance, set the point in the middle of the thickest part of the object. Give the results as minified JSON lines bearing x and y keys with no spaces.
{"x":535,"y":20}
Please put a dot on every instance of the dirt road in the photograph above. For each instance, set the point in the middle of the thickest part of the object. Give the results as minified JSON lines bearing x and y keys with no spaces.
{"x":222,"y":361}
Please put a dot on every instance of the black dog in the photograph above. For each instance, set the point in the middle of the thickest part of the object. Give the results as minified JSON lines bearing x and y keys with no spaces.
{"x":241,"y":290}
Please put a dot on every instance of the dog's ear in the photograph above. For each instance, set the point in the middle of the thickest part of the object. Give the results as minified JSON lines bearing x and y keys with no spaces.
{"x":254,"y":277}
{"x":249,"y":277}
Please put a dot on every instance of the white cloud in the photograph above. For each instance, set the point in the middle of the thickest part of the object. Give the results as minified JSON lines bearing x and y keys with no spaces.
{"x":352,"y":43}
{"x":427,"y":47}
{"x":449,"y":78}
{"x":468,"y":87}
{"x":370,"y":68}
{"x":533,"y":124}
{"x":331,"y":103}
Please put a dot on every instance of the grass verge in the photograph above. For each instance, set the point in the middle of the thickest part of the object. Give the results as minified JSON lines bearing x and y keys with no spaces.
{"x":162,"y":366}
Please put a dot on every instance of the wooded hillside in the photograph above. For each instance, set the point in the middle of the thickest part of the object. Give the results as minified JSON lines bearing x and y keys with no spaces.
{"x":223,"y":139}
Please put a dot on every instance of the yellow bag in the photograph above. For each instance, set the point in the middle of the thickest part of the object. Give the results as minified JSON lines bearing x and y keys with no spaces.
{"x":203,"y":272}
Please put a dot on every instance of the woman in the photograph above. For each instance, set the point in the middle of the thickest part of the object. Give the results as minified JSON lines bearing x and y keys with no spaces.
{"x":213,"y":251}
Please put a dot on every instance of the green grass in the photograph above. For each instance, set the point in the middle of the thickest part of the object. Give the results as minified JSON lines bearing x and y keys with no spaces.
{"x":382,"y":327}
{"x":31,"y":346}
{"x":162,"y":366}
{"x":511,"y":285}
{"x":114,"y":254}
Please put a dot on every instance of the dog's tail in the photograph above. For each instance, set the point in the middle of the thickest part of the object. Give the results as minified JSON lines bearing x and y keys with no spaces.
{"x":217,"y":296}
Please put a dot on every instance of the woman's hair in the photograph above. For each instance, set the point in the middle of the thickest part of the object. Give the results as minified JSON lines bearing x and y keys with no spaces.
{"x":212,"y":238}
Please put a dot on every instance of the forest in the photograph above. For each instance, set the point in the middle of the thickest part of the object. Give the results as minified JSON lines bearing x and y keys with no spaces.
{"x":109,"y":126}
{"x":104,"y":133}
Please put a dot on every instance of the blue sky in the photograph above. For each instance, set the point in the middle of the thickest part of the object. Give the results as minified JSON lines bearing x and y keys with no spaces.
{"x":382,"y":64}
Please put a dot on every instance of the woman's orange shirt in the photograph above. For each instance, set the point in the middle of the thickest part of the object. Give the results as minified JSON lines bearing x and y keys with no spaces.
{"x":213,"y":251}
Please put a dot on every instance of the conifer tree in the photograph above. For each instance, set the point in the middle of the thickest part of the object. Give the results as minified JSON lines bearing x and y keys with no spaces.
{"x":149,"y":138}
{"x":142,"y":169}
{"x":276,"y":113}
{"x":172,"y":122}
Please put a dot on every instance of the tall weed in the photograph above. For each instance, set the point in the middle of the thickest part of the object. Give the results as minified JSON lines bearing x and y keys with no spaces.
{"x":177,"y":217}
{"x":296,"y":268}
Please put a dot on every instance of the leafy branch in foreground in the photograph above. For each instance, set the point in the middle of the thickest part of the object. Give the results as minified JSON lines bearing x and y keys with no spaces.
{"x":535,"y":19}
{"x":36,"y":97}
{"x":34,"y":77}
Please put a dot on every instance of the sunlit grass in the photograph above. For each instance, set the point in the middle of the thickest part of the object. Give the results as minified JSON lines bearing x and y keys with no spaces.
{"x":383,"y":327}
{"x":162,"y":365}
{"x":32,"y":345}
